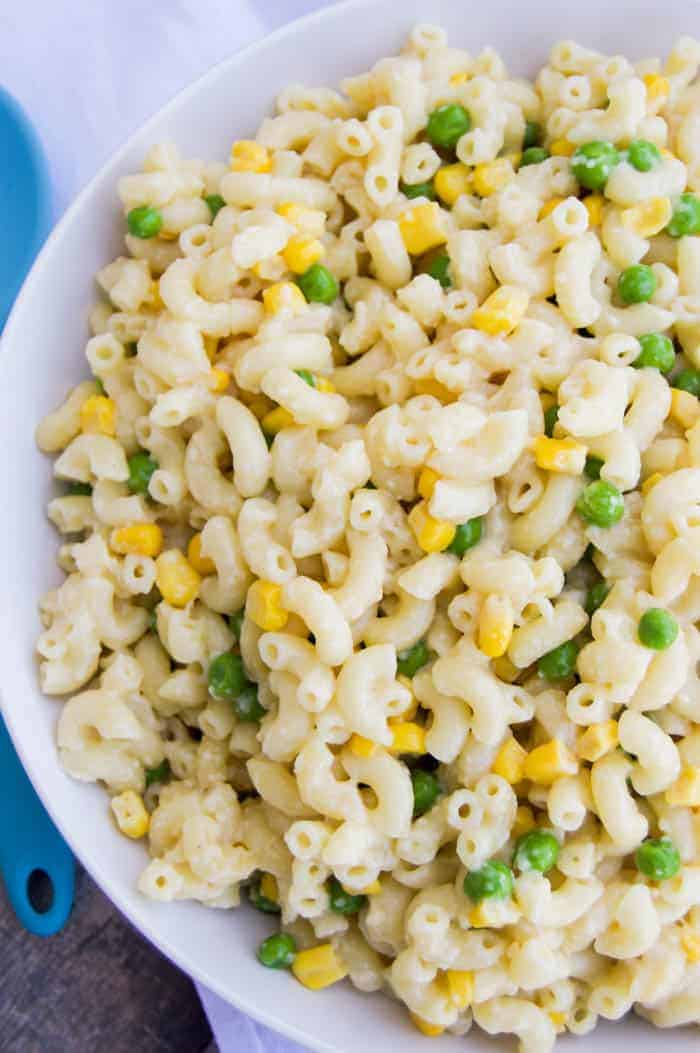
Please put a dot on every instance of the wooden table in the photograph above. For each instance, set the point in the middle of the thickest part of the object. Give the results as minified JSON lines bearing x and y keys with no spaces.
{"x":97,"y":987}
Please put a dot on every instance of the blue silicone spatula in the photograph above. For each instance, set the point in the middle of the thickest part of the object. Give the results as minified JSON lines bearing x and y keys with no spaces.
{"x":32,"y":853}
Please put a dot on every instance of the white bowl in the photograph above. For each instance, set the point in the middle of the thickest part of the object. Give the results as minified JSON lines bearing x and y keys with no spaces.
{"x":43,"y":354}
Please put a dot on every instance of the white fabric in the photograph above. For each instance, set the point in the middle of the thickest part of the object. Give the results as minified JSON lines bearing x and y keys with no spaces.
{"x":88,"y":73}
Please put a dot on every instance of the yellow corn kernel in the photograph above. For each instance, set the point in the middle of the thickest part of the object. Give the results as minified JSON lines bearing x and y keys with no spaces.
{"x":597,"y":740}
{"x":433,"y":535}
{"x":549,"y":762}
{"x":451,"y":181}
{"x":657,"y":87}
{"x":558,"y":1019}
{"x":492,"y":176}
{"x":505,"y":670}
{"x":249,"y":156}
{"x":495,"y":625}
{"x":269,"y":888}
{"x":325,"y":385}
{"x":373,"y":889}
{"x":650,"y":482}
{"x":480,"y":917}
{"x":219,"y":380}
{"x":362,"y":747}
{"x":459,"y":78}
{"x":594,"y":207}
{"x":318,"y":967}
{"x":426,"y":482}
{"x":549,"y":207}
{"x":177,"y":580}
{"x":559,"y":455}
{"x":686,"y":789}
{"x":301,"y":253}
{"x":98,"y":414}
{"x":284,"y":296}
{"x":276,"y":420}
{"x":502,"y":311}
{"x":509,"y":762}
{"x":202,"y":564}
{"x":561,"y":148}
{"x":138,"y":539}
{"x":309,"y":221}
{"x":431,"y":386}
{"x":460,"y":985}
{"x":648,"y":218}
{"x":423,"y":227}
{"x":260,"y":406}
{"x":426,"y":1028}
{"x":130,"y":813}
{"x":524,"y":820}
{"x":690,"y":942}
{"x":408,"y":737}
{"x":685,"y":408}
{"x":264,"y":606}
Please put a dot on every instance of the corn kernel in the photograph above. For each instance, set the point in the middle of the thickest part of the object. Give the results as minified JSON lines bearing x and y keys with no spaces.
{"x":426,"y":1028}
{"x":502,"y":311}
{"x":318,"y":967}
{"x":426,"y":482}
{"x":451,"y":181}
{"x":98,"y":414}
{"x":269,"y":888}
{"x":524,"y":820}
{"x":408,"y":737}
{"x":260,"y":406}
{"x":685,"y":408}
{"x":301,"y":253}
{"x":431,"y":386}
{"x":561,"y":148}
{"x":597,"y":740}
{"x":138,"y":539}
{"x":460,"y":985}
{"x":558,"y":1019}
{"x":690,"y":942}
{"x":219,"y":380}
{"x":459,"y":78}
{"x":249,"y":156}
{"x":309,"y":221}
{"x":549,"y":762}
{"x":648,"y":218}
{"x":177,"y":580}
{"x":650,"y":482}
{"x":559,"y":455}
{"x":362,"y":747}
{"x":264,"y":606}
{"x":509,"y":762}
{"x":505,"y":670}
{"x":130,"y":813}
{"x":373,"y":889}
{"x":549,"y":207}
{"x":657,"y":87}
{"x":495,"y":625}
{"x":284,"y":296}
{"x":324,"y":385}
{"x":433,"y":535}
{"x":276,"y":420}
{"x":686,"y":789}
{"x":492,"y":176}
{"x":423,"y":227}
{"x":594,"y":207}
{"x":202,"y":564}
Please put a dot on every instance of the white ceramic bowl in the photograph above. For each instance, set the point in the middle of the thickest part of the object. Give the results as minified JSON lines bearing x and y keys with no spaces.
{"x":43,"y":354}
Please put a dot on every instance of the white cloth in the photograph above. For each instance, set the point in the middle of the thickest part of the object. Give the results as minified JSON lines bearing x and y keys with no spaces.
{"x":88,"y":73}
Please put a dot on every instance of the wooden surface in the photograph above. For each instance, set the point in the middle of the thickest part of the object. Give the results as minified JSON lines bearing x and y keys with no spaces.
{"x":97,"y":987}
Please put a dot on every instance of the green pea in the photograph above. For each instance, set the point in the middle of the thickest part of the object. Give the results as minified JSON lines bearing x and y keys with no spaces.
{"x":593,"y":162}
{"x":413,"y":659}
{"x":215,"y":203}
{"x":551,"y":416}
{"x":413,"y":190}
{"x":226,"y":676}
{"x":79,"y":489}
{"x":342,"y":902}
{"x":247,"y":706}
{"x":260,"y":902}
{"x":596,"y":595}
{"x":159,"y":774}
{"x":686,"y":217}
{"x":439,"y":269}
{"x":558,"y":663}
{"x":494,"y":880}
{"x":447,"y":125}
{"x":657,"y":353}
{"x":657,"y":629}
{"x":466,"y":536}
{"x":592,"y":467}
{"x":235,"y":623}
{"x":144,"y":221}
{"x":533,"y":134}
{"x":688,"y":380}
{"x":318,"y":284}
{"x":643,"y":155}
{"x":536,"y":850}
{"x":658,"y":858}
{"x":141,"y":468}
{"x":534,"y":155}
{"x":601,"y":504}
{"x":306,"y":376}
{"x":636,"y":284}
{"x":278,"y":951}
{"x":426,"y":790}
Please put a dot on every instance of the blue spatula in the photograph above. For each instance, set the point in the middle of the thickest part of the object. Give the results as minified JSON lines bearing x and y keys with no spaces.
{"x":33,"y":856}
